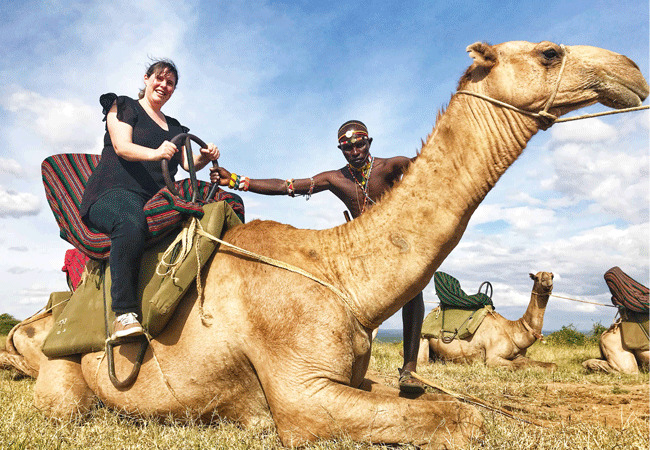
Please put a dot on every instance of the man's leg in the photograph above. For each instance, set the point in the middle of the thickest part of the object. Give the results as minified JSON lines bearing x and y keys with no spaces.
{"x":412,"y":317}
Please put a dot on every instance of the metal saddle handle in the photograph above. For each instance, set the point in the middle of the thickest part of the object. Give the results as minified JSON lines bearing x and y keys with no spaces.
{"x":488,"y":288}
{"x":185,"y":140}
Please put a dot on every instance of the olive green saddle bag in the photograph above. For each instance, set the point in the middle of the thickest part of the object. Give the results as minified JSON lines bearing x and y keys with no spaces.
{"x":634,"y":330}
{"x":80,"y":326}
{"x":453,"y":323}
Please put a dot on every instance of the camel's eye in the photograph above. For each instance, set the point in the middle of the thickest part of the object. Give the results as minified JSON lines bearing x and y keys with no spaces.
{"x":551,"y":53}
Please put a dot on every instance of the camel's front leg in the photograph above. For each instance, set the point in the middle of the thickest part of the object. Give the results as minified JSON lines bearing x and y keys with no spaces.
{"x":620,"y":358}
{"x":519,"y":362}
{"x":423,"y":352}
{"x":522,"y":362}
{"x":643,"y":358}
{"x":61,"y":391}
{"x":325,"y":409}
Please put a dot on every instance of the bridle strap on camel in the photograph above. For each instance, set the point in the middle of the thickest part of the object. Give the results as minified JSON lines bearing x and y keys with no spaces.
{"x":547,"y":119}
{"x":536,"y":335}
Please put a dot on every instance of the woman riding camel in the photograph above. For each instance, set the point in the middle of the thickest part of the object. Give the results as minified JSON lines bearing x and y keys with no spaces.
{"x":129,"y":173}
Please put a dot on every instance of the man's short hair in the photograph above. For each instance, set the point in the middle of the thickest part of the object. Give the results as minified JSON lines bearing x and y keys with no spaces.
{"x":350,"y":128}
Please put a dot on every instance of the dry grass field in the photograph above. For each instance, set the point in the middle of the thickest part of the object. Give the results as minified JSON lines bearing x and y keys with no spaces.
{"x":576,"y":410}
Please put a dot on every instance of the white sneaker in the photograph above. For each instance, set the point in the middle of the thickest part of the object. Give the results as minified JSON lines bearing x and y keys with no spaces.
{"x":126,"y":325}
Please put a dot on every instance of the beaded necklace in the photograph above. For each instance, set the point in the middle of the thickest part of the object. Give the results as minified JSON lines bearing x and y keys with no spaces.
{"x":365,"y":172}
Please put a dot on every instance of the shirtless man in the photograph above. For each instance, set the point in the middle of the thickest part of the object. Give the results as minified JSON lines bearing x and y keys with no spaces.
{"x":358,"y":185}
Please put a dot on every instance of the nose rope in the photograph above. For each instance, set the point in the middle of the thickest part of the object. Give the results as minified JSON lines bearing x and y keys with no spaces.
{"x":547,"y":118}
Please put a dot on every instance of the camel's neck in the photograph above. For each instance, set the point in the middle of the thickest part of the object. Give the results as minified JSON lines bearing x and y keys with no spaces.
{"x":393,"y":250}
{"x":534,"y":315}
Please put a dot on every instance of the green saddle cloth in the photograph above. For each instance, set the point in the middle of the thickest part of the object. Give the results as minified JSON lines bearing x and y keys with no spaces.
{"x":450,"y":294}
{"x":80,"y":327}
{"x":453,"y":323}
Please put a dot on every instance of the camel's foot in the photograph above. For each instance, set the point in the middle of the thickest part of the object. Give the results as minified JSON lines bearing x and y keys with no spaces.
{"x":61,"y":392}
{"x":601,"y":365}
{"x":551,"y":367}
{"x":522,"y":362}
{"x":597,"y":365}
{"x":465,"y":428}
{"x":423,"y":351}
{"x":381,"y":414}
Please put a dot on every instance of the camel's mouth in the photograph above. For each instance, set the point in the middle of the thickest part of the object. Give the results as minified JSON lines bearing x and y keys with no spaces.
{"x":616,"y":93}
{"x":622,"y":98}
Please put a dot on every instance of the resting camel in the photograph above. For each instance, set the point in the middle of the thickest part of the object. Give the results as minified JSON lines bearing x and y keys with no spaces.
{"x":499,"y":342}
{"x":276,"y":347}
{"x":616,"y":356}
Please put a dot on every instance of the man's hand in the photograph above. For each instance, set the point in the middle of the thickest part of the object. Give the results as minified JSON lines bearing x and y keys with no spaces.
{"x":219,"y":175}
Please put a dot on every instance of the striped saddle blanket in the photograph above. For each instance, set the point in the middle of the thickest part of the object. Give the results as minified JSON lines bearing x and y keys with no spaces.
{"x":626,"y":292}
{"x":65,"y":177}
{"x":450,"y":294}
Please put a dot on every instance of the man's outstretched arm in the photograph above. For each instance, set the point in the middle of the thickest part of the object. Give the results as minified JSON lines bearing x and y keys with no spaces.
{"x":271,"y":186}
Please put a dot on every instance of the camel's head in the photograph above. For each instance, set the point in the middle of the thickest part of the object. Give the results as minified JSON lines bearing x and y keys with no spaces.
{"x":525,"y":75}
{"x":543,"y":282}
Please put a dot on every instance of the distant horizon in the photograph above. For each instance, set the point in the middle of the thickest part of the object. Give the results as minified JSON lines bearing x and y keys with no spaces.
{"x":398,"y":332}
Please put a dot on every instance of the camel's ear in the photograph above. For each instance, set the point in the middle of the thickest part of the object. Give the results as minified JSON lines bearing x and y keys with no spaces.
{"x":532,"y":277}
{"x":483,"y":54}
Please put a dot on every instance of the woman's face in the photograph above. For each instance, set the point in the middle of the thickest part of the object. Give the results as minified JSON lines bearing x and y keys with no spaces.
{"x":159,"y":87}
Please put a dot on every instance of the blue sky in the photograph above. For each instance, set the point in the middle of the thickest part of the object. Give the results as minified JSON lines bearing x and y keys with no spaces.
{"x":270,"y":83}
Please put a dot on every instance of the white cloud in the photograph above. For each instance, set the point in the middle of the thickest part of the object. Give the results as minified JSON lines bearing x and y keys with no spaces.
{"x":586,"y":130}
{"x":523,"y":197}
{"x":522,"y":218}
{"x":17,"y":204}
{"x":36,"y":294}
{"x":58,"y":123}
{"x":616,"y":181}
{"x":11,"y":166}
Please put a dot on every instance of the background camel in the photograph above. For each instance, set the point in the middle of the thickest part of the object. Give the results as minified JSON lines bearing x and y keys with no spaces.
{"x":616,"y":356}
{"x":276,"y":347}
{"x":499,"y":342}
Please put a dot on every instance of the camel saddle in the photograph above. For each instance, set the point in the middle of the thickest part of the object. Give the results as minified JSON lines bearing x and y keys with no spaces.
{"x":631,"y":298}
{"x":634,"y":330}
{"x":459,"y":314}
{"x":453,"y":323}
{"x":450,"y":293}
{"x":626,"y":292}
{"x":65,"y":177}
{"x":80,"y":322}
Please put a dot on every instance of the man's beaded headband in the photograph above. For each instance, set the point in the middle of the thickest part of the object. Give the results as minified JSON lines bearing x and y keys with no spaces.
{"x":353,"y":136}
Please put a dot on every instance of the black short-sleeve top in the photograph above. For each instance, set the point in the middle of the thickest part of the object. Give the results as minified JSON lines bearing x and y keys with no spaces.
{"x":114,"y":172}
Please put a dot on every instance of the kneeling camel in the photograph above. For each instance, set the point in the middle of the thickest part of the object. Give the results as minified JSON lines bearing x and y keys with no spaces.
{"x":499,"y":342}
{"x":284,"y":349}
{"x":616,"y":356}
